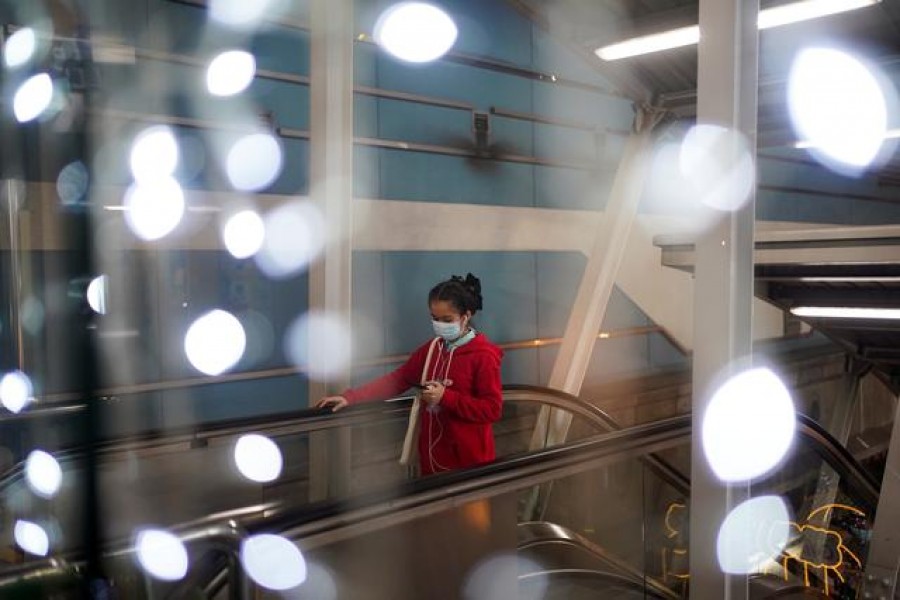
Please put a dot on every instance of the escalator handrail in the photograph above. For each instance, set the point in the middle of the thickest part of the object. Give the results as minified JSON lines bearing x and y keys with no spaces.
{"x":591,"y":574}
{"x":839,"y":458}
{"x":552,"y":533}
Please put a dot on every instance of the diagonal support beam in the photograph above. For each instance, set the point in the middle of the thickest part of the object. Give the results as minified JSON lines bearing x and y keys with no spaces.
{"x":595,"y":289}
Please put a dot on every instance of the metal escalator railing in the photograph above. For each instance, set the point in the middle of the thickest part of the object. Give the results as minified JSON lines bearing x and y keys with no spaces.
{"x":538,"y":534}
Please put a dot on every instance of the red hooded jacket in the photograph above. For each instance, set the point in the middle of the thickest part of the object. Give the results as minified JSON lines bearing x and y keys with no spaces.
{"x":459,"y":433}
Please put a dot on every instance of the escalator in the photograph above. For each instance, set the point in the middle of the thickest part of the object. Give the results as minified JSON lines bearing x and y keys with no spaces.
{"x":621,"y":494}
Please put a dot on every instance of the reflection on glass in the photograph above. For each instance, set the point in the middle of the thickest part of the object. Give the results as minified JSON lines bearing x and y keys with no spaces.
{"x":215,"y":342}
{"x":43,"y":473}
{"x":716,"y":164}
{"x":230,"y":73}
{"x":155,"y":209}
{"x":33,"y":97}
{"x":31,"y":538}
{"x":19,"y":48}
{"x":244,"y":234}
{"x":753,"y":534}
{"x":253,"y":162}
{"x":15,"y":391}
{"x":258,"y":458}
{"x":320,"y":344}
{"x":415,"y":31}
{"x":273,"y":562}
{"x":295,"y":235}
{"x":161,"y":554}
{"x":748,"y":425}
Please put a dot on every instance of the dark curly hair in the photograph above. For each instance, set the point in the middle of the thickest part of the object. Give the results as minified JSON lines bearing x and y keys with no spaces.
{"x":463,"y":294}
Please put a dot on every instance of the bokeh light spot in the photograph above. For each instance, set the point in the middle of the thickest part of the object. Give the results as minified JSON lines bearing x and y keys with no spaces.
{"x":31,"y":538}
{"x":295,"y":235}
{"x":15,"y":391}
{"x":253,"y":162}
{"x":96,"y":294}
{"x":716,"y":164}
{"x":215,"y":342}
{"x":72,"y":183}
{"x":415,"y":31}
{"x":320,"y":344}
{"x":244,"y":234}
{"x":240,"y":14}
{"x":748,"y":425}
{"x":43,"y":473}
{"x":258,"y":458}
{"x":230,"y":73}
{"x":33,"y":97}
{"x":154,"y":155}
{"x":273,"y":562}
{"x":162,"y":554}
{"x":154,"y":210}
{"x":19,"y":48}
{"x":491,"y":578}
{"x":754,"y":533}
{"x":838,"y":107}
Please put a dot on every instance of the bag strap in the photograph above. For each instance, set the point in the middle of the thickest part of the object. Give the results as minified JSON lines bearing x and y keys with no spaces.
{"x":412,"y":426}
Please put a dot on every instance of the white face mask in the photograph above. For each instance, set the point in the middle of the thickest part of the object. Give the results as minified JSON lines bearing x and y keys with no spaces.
{"x":448,"y":331}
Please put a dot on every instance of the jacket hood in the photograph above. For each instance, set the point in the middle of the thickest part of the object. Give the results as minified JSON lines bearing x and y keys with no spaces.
{"x":480,"y":343}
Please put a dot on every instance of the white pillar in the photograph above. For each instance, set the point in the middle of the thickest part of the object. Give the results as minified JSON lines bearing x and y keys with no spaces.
{"x":331,"y":189}
{"x":723,"y":292}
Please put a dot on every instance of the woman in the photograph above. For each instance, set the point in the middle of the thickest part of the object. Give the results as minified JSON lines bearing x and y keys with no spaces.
{"x":458,"y":374}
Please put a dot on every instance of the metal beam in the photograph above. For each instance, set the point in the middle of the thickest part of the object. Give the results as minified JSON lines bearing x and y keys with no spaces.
{"x":331,"y":189}
{"x":723,"y":292}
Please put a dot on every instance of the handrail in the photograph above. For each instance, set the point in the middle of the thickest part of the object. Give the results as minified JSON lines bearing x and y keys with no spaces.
{"x":602,"y":576}
{"x":543,"y":532}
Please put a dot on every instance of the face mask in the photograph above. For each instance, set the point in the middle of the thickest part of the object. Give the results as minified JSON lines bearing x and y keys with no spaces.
{"x":448,"y":331}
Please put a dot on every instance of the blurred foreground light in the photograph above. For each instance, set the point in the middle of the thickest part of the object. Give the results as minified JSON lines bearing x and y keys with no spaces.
{"x":258,"y":458}
{"x":717,"y":165}
{"x":33,"y":97}
{"x":43,"y":473}
{"x":806,"y":10}
{"x":96,"y":294}
{"x":319,"y":344}
{"x":230,"y":73}
{"x":490,"y":579}
{"x":72,"y":183}
{"x":839,"y":107}
{"x":15,"y":391}
{"x":161,"y":554}
{"x":154,"y":210}
{"x":154,"y":155}
{"x":253,"y":162}
{"x":215,"y":342}
{"x":19,"y":47}
{"x":244,"y":234}
{"x":240,"y":14}
{"x":295,"y":235}
{"x":845,"y":312}
{"x":753,"y":534}
{"x":415,"y":31}
{"x":273,"y":562}
{"x":748,"y":425}
{"x":31,"y":538}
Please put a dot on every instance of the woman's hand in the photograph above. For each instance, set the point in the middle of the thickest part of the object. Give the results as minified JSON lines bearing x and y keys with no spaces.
{"x":433,"y":392}
{"x":336,"y":403}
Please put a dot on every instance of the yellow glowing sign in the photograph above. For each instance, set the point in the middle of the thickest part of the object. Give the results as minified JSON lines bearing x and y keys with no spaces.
{"x":841,"y":553}
{"x":671,"y":557}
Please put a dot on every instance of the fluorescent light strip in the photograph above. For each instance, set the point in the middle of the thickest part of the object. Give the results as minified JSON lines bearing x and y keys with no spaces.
{"x":890,"y":134}
{"x":777,"y":16}
{"x":845,"y":312}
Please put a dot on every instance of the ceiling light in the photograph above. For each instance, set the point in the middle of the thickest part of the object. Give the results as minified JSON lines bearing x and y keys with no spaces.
{"x":777,"y":16}
{"x":845,"y":312}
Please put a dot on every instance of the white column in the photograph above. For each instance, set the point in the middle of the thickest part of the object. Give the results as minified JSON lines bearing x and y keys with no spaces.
{"x":331,"y":189}
{"x":883,"y":559}
{"x":723,"y":292}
